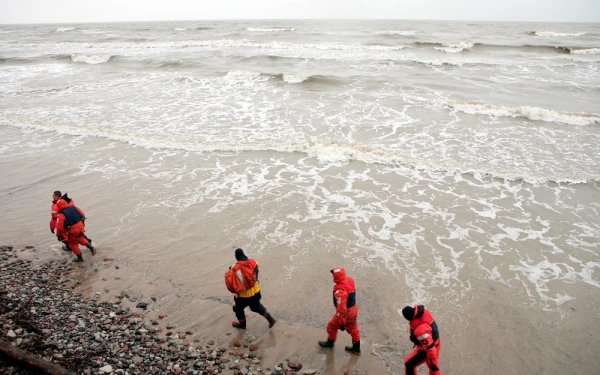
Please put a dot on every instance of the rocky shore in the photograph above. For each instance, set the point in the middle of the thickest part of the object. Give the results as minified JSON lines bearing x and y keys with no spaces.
{"x":42,"y":312}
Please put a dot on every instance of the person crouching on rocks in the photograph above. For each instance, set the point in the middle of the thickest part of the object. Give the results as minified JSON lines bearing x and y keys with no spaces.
{"x":346,"y":311}
{"x":242,"y":280}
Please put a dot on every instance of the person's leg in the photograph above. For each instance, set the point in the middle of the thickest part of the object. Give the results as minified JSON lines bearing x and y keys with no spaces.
{"x":258,"y":308}
{"x":413,"y":360}
{"x":84,"y":241}
{"x":352,"y":329}
{"x":239,"y":304}
{"x":432,"y":361}
{"x":73,"y":243}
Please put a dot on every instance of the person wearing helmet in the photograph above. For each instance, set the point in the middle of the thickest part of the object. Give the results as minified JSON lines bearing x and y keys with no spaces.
{"x":346,"y":311}
{"x":69,"y":224}
{"x":425,"y":336}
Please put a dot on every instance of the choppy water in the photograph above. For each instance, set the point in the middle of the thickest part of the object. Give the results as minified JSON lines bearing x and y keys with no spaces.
{"x":444,"y":157}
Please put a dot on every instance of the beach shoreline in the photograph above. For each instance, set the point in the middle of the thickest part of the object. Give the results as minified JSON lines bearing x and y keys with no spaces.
{"x":193,"y":335}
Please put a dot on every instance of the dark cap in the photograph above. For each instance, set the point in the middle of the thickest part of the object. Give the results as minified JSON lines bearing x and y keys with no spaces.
{"x":239,"y":254}
{"x":408,"y":312}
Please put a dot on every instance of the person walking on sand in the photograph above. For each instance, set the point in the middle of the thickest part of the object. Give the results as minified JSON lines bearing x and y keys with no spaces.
{"x":69,"y":226}
{"x":244,"y":273}
{"x":425,"y":335}
{"x":346,"y":311}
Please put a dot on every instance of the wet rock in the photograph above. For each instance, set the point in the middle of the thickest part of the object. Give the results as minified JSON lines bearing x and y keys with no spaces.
{"x":294,"y":365}
{"x":253,"y":347}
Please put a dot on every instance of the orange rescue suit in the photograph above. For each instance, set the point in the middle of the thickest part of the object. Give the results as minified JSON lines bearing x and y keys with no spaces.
{"x":74,"y":231}
{"x":344,"y":300}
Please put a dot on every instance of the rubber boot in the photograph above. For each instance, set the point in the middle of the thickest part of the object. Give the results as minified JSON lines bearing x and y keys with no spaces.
{"x":87,"y":238}
{"x":239,"y":324}
{"x":78,"y":259}
{"x":326,"y":344}
{"x":355,"y":348}
{"x":271,"y":320}
{"x":92,"y":248}
{"x":66,"y":247}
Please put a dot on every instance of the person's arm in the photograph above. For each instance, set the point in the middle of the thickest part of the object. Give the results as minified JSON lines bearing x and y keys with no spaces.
{"x":60,"y":226}
{"x":341,"y":299}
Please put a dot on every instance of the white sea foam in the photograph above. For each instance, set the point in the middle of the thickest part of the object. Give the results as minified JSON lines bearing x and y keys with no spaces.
{"x":396,"y":32}
{"x":179,"y":29}
{"x":587,"y":51}
{"x":294,"y":78}
{"x":532,"y":113}
{"x":267,"y":30}
{"x":552,"y":33}
{"x":90,"y":59}
{"x":241,"y":75}
{"x":63,"y":29}
{"x":454,"y":47}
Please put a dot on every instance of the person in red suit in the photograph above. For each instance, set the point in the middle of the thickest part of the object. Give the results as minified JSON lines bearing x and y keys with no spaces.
{"x":425,"y":335}
{"x":69,"y":225}
{"x":346,"y":311}
{"x":53,"y":213}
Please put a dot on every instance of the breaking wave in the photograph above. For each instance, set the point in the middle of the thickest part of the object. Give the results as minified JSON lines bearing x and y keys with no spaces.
{"x":256,"y":29}
{"x":396,"y":32}
{"x":90,"y":59}
{"x":552,"y":33}
{"x":284,"y":77}
{"x":532,"y":113}
{"x":454,"y":47}
{"x":314,"y":147}
{"x":63,"y":29}
{"x":585,"y":51}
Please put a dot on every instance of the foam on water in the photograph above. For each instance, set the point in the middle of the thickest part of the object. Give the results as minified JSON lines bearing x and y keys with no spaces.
{"x":552,"y":33}
{"x":532,"y":113}
{"x":267,"y":30}
{"x":396,"y":32}
{"x":586,"y":51}
{"x":64,"y":29}
{"x":90,"y":59}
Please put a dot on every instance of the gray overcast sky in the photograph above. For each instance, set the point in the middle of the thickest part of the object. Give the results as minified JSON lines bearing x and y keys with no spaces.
{"x":74,"y":11}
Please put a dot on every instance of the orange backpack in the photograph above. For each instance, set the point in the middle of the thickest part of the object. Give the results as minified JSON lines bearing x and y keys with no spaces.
{"x":240,"y":277}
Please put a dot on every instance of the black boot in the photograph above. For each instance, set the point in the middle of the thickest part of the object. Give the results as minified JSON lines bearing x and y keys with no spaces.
{"x":326,"y":344}
{"x":91,"y":248}
{"x":355,"y":348}
{"x":78,"y":259}
{"x":66,"y":247}
{"x":271,"y":320}
{"x":239,"y":324}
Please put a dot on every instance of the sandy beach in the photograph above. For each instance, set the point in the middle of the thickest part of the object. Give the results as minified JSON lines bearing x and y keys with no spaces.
{"x":195,"y":328}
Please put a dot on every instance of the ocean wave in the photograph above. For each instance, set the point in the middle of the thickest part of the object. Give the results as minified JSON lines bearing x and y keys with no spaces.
{"x":284,"y":77}
{"x":266,"y":30}
{"x":552,"y":33}
{"x":532,"y":113}
{"x":179,"y":29}
{"x":396,"y":32}
{"x":585,"y":51}
{"x":63,"y":29}
{"x":314,"y":147}
{"x":454,"y":47}
{"x":90,"y":59}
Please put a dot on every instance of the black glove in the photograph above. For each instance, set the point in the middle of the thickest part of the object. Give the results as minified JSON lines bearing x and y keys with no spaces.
{"x":52,"y":230}
{"x":342,"y":327}
{"x":60,"y":238}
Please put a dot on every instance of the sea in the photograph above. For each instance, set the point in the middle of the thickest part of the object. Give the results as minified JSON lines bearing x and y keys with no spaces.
{"x":444,"y":163}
